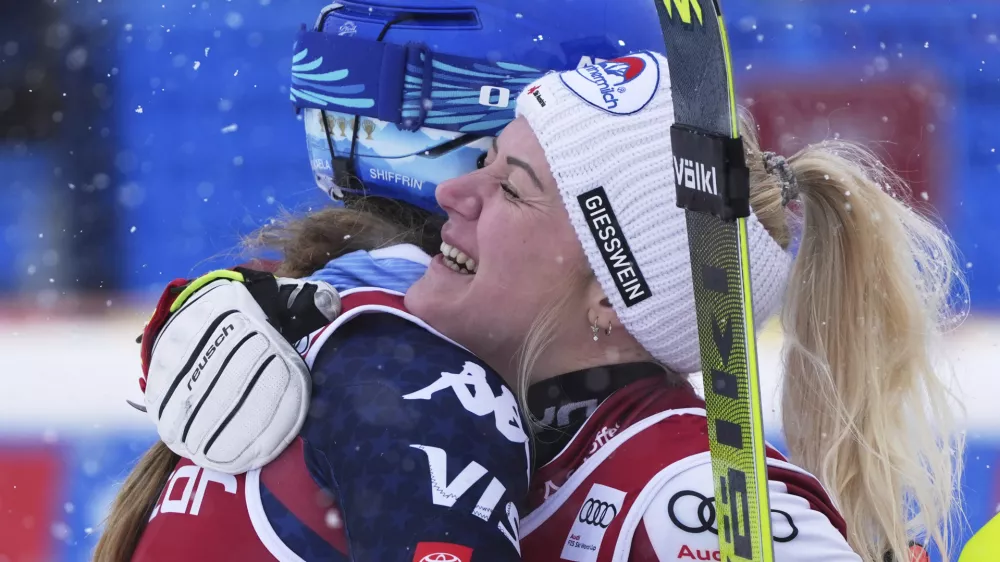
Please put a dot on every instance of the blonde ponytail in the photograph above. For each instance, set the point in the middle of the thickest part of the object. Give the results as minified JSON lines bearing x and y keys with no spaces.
{"x":133,"y":505}
{"x":863,"y":406}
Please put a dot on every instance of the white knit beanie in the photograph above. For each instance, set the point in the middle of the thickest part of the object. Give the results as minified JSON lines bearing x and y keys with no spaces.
{"x":605,"y":129}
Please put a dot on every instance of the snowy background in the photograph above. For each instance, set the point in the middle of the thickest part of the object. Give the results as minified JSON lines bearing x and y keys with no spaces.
{"x":139,"y":139}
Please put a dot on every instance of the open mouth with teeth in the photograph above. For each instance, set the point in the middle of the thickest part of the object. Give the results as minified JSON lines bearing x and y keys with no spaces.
{"x":457,"y":259}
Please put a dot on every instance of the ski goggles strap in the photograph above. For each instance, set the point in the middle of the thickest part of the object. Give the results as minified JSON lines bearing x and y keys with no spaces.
{"x":408,"y":85}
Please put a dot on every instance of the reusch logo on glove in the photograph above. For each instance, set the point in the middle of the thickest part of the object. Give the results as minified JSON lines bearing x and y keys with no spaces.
{"x":620,"y":86}
{"x":209,"y":353}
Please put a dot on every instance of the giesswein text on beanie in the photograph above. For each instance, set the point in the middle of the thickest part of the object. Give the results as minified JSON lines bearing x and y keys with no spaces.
{"x":605,"y":130}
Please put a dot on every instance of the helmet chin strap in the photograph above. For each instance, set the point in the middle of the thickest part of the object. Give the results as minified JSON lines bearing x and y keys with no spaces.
{"x":343,"y":167}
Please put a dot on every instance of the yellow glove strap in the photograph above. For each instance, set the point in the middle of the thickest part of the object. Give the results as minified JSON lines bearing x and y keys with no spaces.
{"x":201,"y":282}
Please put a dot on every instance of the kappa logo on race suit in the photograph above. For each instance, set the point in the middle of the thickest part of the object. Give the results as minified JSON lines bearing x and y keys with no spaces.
{"x":477,"y":398}
{"x":620,"y":86}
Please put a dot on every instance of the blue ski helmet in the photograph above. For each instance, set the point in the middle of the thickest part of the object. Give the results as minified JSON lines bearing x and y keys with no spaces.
{"x":401,"y":95}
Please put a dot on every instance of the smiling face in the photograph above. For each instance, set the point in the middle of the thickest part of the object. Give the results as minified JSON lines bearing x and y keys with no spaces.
{"x":511,"y":251}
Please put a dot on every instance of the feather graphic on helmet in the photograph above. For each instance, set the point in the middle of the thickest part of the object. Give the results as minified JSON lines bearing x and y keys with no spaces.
{"x":399,"y":98}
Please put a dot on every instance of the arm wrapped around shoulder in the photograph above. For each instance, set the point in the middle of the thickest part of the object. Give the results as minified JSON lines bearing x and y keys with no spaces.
{"x":223,"y":384}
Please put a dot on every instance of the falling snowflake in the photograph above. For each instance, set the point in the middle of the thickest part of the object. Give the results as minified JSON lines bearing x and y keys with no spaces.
{"x":60,"y":531}
{"x":332,"y":519}
{"x":138,"y":109}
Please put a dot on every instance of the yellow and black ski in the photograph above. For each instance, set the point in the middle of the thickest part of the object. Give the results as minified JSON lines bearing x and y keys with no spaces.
{"x":713,"y":186}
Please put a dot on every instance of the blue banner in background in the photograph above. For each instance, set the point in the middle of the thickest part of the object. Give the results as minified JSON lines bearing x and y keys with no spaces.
{"x":208,"y":146}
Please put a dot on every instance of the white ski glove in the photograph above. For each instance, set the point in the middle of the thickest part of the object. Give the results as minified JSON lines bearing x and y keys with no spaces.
{"x":222,"y":383}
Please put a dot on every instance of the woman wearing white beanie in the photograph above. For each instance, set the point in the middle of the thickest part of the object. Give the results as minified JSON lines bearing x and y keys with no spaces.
{"x":565,"y":267}
{"x":570,"y":234}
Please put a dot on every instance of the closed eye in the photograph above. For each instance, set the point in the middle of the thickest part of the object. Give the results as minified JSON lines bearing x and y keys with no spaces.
{"x":509,"y":190}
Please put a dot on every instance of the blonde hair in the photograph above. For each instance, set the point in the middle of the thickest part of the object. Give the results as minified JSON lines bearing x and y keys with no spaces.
{"x":306,"y":244}
{"x":868,"y":299}
{"x":133,"y":504}
{"x":543,"y":331}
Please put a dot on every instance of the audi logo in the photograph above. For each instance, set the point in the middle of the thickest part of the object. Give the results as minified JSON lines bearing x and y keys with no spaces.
{"x":597,"y":513}
{"x":706,"y":516}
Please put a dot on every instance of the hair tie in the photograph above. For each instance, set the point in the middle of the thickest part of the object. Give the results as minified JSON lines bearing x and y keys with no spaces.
{"x":775,"y":163}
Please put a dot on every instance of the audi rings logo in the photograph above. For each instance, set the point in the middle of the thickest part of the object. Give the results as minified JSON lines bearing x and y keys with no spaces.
{"x":705,"y":513}
{"x":597,"y":513}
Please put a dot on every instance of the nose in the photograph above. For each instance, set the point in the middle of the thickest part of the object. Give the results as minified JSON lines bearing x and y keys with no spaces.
{"x":461,"y":195}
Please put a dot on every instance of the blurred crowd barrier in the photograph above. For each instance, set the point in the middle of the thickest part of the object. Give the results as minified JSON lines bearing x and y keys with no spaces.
{"x":139,"y":140}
